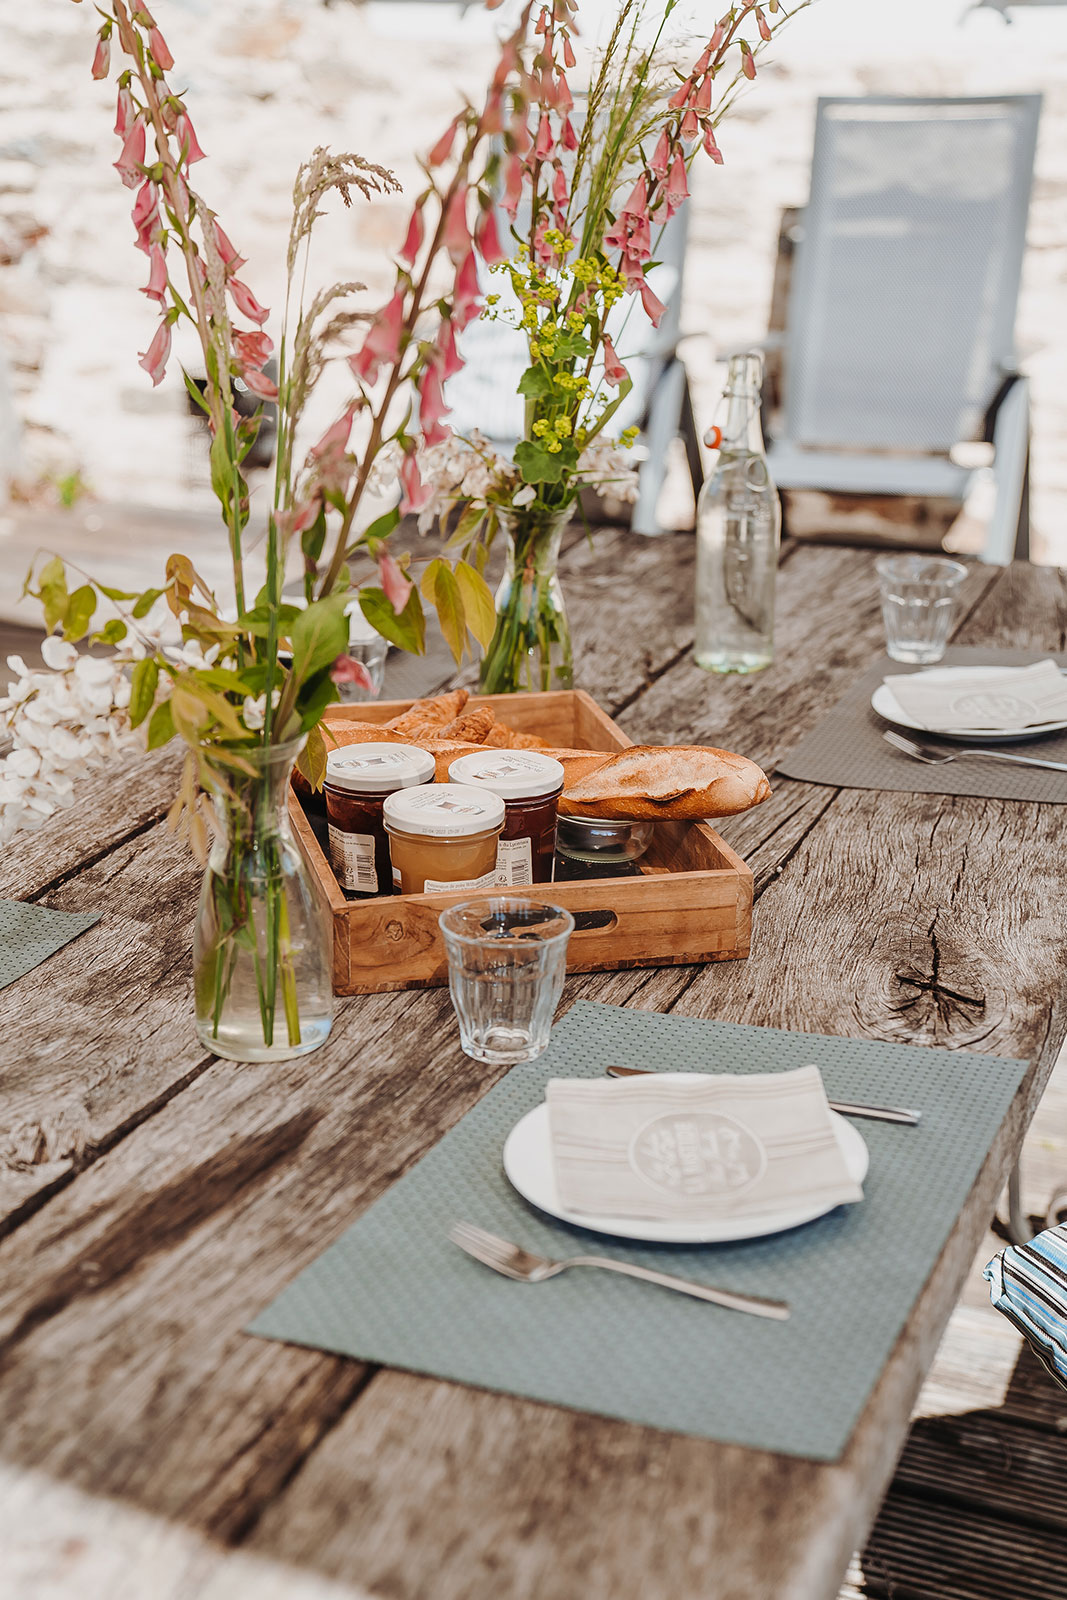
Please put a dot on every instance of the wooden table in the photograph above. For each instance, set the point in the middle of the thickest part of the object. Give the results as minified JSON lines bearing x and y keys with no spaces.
{"x":153,"y":1198}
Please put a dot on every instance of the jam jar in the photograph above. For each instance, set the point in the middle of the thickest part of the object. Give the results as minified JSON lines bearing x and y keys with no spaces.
{"x":443,"y":837}
{"x":529,"y":785}
{"x":359,"y":778}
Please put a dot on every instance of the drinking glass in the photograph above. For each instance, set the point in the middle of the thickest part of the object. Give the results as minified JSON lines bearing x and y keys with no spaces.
{"x":919,"y":596}
{"x":506,"y":964}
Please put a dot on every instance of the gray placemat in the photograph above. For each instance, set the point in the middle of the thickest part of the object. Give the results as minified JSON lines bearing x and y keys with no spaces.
{"x":847,"y":749}
{"x":394,"y":1290}
{"x":29,"y":934}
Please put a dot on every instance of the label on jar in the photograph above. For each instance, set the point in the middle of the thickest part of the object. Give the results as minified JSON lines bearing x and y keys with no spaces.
{"x":352,"y":857}
{"x":488,"y":880}
{"x":514,"y":861}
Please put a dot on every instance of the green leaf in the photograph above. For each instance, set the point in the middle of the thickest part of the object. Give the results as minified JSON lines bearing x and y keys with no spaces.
{"x":161,"y":728}
{"x":479,"y":609}
{"x":449,"y":604}
{"x":380,"y":529}
{"x":318,"y":635}
{"x":143,"y":685}
{"x":536,"y":465}
{"x":145,"y":601}
{"x":406,"y":629}
{"x":116,"y":594}
{"x":570,"y":347}
{"x":311,"y":763}
{"x":80,"y":608}
{"x":52,"y":593}
{"x":535,"y":383}
{"x":312,"y":541}
{"x":113,"y":632}
{"x":318,"y":693}
{"x":466,"y":527}
{"x":257,"y":621}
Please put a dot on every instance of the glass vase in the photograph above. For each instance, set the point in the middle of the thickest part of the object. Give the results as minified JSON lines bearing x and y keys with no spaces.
{"x":262,"y":946}
{"x":531,"y":645}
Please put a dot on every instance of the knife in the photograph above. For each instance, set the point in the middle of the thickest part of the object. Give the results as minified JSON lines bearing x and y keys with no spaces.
{"x":844,"y":1108}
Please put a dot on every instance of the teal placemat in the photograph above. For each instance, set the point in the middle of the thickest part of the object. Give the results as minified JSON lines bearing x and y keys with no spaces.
{"x":29,"y":934}
{"x":394,"y":1290}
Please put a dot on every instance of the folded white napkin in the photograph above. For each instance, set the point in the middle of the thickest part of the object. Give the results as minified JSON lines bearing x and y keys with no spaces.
{"x":696,"y":1150}
{"x":1017,"y":697}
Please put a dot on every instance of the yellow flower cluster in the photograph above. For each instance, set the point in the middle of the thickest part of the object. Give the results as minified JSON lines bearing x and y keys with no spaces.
{"x":552,"y":434}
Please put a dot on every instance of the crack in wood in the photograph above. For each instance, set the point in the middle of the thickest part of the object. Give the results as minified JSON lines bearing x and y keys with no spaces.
{"x":163,"y":1219}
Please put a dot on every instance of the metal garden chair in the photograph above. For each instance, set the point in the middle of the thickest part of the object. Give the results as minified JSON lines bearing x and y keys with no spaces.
{"x":900,"y":338}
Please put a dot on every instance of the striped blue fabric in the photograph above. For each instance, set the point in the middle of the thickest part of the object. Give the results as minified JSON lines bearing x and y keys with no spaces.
{"x":1028,"y":1283}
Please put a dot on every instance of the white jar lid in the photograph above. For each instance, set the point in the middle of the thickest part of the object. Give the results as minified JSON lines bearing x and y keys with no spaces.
{"x":378,"y":768}
{"x":444,"y":811}
{"x":512,"y":774}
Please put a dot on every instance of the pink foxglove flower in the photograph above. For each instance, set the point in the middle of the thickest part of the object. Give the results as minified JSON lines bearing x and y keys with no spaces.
{"x":711,"y":147}
{"x":568,"y":136}
{"x":718,"y":34}
{"x":513,"y":187}
{"x":564,"y":98}
{"x":259,"y":383}
{"x":432,"y":408}
{"x":125,"y":111}
{"x":346,"y":669}
{"x":102,"y":58}
{"x":654,"y":307}
{"x":253,"y":349}
{"x":416,"y":494}
{"x":702,"y":98}
{"x":568,"y":53}
{"x":690,"y":124}
{"x":187,"y":139}
{"x":396,"y":587}
{"x":246,"y":302}
{"x":490,"y":249}
{"x":559,"y":188}
{"x":335,"y":438}
{"x":659,"y":166}
{"x":545,"y":142}
{"x":443,"y":148}
{"x":413,"y":242}
{"x":382,"y":342}
{"x":160,"y":53}
{"x":763,"y":25}
{"x":677,"y":188}
{"x":154,"y":361}
{"x":456,"y":236}
{"x":145,"y":214}
{"x":748,"y":62}
{"x":637,"y":204}
{"x":614,"y":371}
{"x":130,"y":164}
{"x":680,"y":97}
{"x":448,"y":357}
{"x":230,"y":258}
{"x":156,"y":287}
{"x":466,"y":301}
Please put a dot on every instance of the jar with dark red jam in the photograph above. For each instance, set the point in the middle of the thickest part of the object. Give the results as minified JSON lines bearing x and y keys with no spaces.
{"x":530,"y":785}
{"x":359,"y":779}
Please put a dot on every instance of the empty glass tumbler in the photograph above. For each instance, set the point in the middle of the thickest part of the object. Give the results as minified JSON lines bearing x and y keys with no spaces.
{"x":506,"y":964}
{"x":919,"y":595}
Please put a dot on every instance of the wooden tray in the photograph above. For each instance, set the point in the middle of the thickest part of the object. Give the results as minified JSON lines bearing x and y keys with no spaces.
{"x":692,"y":901}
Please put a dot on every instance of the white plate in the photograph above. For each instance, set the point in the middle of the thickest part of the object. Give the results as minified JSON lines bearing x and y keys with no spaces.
{"x":884,"y":702}
{"x":529,"y":1165}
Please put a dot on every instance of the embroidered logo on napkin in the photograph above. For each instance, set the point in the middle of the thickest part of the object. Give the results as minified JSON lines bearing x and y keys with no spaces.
{"x":696,"y":1147}
{"x":705,"y":1153}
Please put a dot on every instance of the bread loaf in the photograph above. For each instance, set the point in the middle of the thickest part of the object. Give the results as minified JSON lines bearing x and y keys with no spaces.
{"x":680,"y":781}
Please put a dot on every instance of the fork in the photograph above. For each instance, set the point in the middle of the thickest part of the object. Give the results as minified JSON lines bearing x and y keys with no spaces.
{"x":514,"y":1262}
{"x":844,"y":1108}
{"x":935,"y":757}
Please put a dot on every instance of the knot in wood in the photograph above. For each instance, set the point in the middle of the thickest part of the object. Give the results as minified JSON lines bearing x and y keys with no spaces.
{"x":932,"y":988}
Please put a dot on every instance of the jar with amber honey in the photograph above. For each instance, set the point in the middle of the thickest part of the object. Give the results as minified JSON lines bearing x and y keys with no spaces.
{"x":530,"y":785}
{"x":443,"y":837}
{"x":359,"y":779}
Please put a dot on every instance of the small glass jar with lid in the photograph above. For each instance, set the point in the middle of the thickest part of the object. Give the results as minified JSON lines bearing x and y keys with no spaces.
{"x":530,"y":785}
{"x":443,"y":837}
{"x":359,"y":779}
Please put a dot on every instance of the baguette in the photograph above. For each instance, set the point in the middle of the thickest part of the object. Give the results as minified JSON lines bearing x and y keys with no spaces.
{"x":681,"y":781}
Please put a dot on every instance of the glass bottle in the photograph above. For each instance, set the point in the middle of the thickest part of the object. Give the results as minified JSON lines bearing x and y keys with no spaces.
{"x":262,"y":945}
{"x":738,"y":531}
{"x":531,"y":647}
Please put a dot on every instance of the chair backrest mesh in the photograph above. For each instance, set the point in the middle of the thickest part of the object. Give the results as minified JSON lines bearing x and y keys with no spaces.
{"x":905,"y":283}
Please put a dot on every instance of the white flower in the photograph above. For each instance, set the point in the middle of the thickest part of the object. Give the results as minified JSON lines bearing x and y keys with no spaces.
{"x":58,"y":654}
{"x":254,"y":712}
{"x":524,"y":496}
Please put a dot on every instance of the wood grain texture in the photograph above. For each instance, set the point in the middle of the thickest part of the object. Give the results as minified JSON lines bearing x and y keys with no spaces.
{"x":201,"y":1187}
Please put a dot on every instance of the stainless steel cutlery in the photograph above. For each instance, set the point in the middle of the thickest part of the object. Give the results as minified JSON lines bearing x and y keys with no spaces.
{"x":935,"y":756}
